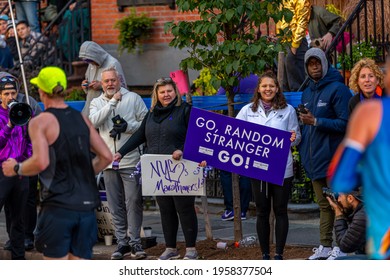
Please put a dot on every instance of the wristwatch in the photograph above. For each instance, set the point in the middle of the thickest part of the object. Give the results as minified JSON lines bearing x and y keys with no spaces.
{"x":16,"y":168}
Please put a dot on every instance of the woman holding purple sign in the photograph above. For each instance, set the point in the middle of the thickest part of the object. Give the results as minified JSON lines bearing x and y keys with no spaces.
{"x":164,"y":130}
{"x":269,"y":108}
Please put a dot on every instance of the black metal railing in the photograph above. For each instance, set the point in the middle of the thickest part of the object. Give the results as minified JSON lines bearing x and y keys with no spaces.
{"x":368,"y":22}
{"x":60,"y":41}
{"x":364,"y":25}
{"x":5,"y":9}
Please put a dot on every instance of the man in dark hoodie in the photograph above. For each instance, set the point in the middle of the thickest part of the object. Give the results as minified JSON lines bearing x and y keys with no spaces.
{"x":324,"y":123}
{"x":98,"y":59}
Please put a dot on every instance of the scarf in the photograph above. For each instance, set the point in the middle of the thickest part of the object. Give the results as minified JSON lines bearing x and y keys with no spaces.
{"x":160,"y":113}
{"x":267,"y":106}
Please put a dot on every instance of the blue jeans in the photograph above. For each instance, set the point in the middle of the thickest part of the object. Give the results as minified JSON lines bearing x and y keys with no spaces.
{"x":28,"y":11}
{"x":245,"y":191}
{"x":6,"y":60}
{"x":124,"y":198}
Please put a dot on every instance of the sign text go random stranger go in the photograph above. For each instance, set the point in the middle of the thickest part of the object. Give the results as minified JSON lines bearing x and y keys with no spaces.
{"x":237,"y":146}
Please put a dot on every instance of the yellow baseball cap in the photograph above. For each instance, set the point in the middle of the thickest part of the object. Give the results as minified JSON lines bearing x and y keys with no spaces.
{"x":50,"y":77}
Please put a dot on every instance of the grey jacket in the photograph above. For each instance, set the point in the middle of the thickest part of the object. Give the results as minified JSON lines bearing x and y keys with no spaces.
{"x":92,"y":51}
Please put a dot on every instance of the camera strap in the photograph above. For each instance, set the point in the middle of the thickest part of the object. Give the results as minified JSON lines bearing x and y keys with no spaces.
{"x":113,"y":113}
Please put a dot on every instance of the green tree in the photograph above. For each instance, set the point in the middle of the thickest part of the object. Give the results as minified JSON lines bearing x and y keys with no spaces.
{"x":226,"y":39}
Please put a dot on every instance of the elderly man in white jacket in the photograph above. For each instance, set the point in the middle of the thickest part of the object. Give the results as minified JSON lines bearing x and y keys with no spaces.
{"x":117,"y":113}
{"x":97,"y":59}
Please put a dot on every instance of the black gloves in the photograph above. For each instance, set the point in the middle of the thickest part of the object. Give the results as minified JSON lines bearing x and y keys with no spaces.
{"x":120,"y":125}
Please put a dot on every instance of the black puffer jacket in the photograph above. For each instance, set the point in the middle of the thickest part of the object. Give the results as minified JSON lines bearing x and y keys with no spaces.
{"x":163,"y":132}
{"x":351,"y":231}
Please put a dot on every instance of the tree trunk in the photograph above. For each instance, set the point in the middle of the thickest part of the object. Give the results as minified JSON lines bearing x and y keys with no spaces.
{"x":236,"y":208}
{"x":230,"y":98}
{"x":235,"y":180}
{"x":209,"y":232}
{"x":281,"y":68}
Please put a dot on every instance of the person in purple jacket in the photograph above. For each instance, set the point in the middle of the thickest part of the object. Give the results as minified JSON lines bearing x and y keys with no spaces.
{"x":14,"y":143}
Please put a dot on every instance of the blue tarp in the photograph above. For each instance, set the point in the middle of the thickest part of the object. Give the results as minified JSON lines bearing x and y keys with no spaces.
{"x":215,"y":102}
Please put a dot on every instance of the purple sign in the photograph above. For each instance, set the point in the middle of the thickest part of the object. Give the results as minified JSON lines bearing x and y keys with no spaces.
{"x":237,"y":146}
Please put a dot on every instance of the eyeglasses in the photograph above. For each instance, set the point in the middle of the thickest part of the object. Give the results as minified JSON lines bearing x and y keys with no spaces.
{"x":162,"y":80}
{"x":7,"y":79}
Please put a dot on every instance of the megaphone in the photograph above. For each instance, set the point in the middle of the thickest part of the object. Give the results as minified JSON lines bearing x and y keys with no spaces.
{"x":19,"y":113}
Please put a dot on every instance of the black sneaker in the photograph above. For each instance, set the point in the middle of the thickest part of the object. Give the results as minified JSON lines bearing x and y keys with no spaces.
{"x":121,"y":251}
{"x":28,"y":244}
{"x":278,"y":257}
{"x":7,"y":245}
{"x":137,"y":251}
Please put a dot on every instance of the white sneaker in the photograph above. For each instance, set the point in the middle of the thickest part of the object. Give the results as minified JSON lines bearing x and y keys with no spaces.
{"x":335,"y":253}
{"x":320,"y":253}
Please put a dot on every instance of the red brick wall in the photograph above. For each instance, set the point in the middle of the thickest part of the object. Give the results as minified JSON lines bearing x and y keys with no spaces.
{"x":105,"y":13}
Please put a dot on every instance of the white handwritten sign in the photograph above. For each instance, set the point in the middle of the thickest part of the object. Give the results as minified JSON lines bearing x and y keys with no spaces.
{"x":104,"y":218}
{"x":162,"y":175}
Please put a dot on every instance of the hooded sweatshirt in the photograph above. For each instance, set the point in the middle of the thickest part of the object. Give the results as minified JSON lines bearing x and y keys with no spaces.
{"x":14,"y":142}
{"x":327,"y":99}
{"x":92,"y":51}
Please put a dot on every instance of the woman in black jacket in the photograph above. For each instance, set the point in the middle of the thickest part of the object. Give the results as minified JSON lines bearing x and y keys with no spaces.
{"x":163,"y":130}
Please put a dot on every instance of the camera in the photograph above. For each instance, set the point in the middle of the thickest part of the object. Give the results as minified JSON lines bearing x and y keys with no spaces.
{"x":19,"y":113}
{"x":328,"y":193}
{"x":85,"y":84}
{"x":117,"y":119}
{"x":302,"y":109}
{"x":120,"y":126}
{"x":317,"y":43}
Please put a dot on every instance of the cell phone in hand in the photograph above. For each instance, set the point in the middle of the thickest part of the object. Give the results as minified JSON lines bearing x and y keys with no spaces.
{"x":302,"y":109}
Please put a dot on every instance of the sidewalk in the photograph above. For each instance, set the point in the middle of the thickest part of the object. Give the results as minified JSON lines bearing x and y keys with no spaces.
{"x":304,"y":228}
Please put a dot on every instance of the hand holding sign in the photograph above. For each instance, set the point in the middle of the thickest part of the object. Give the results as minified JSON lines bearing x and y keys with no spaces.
{"x":237,"y":146}
{"x":161,"y":175}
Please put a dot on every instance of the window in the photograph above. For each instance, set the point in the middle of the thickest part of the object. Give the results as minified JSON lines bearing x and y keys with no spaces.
{"x":126,"y":3}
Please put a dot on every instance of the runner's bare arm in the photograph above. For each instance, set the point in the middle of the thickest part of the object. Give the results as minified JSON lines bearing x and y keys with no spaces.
{"x":103,"y":154}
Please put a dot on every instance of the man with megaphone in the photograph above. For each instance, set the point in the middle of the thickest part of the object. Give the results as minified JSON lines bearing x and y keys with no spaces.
{"x":30,"y":213}
{"x":14,"y":143}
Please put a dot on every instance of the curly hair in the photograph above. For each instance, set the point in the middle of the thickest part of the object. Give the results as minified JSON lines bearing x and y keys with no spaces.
{"x":278,"y":102}
{"x":364,"y":63}
{"x":163,"y":82}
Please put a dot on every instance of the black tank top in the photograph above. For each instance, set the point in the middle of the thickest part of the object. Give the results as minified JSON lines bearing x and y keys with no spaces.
{"x":69,"y":180}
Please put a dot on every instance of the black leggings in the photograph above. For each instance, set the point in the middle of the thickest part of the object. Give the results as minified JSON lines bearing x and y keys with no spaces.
{"x":263,"y":193}
{"x":173,"y":208}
